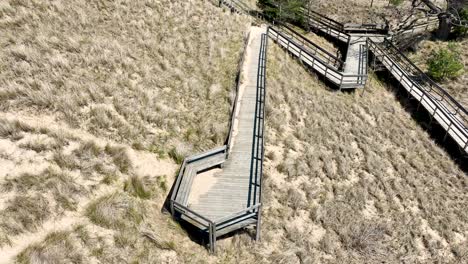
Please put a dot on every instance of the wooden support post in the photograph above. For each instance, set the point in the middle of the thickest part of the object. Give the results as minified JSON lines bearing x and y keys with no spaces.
{"x":212,"y":233}
{"x":172,"y":208}
{"x":210,"y":237}
{"x":259,"y":222}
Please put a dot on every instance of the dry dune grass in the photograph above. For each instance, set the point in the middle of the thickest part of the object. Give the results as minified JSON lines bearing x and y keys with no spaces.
{"x":456,"y":87}
{"x":347,"y":179}
{"x":153,"y":74}
{"x":95,"y":98}
{"x":355,"y":179}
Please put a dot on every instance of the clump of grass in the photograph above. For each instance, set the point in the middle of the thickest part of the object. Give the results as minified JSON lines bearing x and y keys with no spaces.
{"x":62,"y":185}
{"x":24,"y":213}
{"x":57,"y":247}
{"x":139,"y":187}
{"x":116,"y":211}
{"x":13,"y":130}
{"x":120,"y":157}
{"x":445,"y":63}
{"x":179,"y":152}
{"x":109,"y":179}
{"x":162,"y":182}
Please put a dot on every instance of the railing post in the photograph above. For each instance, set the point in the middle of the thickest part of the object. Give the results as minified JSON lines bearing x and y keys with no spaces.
{"x":172,"y":208}
{"x":210,"y":237}
{"x":259,"y":222}
{"x":212,"y":234}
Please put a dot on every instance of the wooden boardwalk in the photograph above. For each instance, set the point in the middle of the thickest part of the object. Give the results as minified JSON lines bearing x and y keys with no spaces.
{"x":218,"y":202}
{"x":321,"y":63}
{"x":230,"y":192}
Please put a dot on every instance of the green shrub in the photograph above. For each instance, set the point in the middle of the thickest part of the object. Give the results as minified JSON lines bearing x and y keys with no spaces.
{"x":396,"y":2}
{"x":462,"y":30}
{"x":283,"y":10}
{"x":445,"y":63}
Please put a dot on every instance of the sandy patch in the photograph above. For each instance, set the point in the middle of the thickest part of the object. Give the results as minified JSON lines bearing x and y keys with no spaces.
{"x":202,"y":183}
{"x":15,"y":160}
{"x":147,"y":164}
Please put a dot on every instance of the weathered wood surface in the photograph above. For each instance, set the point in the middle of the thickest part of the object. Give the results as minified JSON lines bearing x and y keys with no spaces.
{"x":338,"y":78}
{"x":190,"y":172}
{"x":230,"y":193}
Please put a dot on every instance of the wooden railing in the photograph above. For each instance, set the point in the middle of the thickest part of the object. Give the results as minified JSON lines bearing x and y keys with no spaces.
{"x":213,"y":227}
{"x":380,"y":29}
{"x":452,"y":116}
{"x":186,"y":162}
{"x":236,"y":5}
{"x":328,"y":71}
{"x":258,"y":143}
{"x":323,"y":19}
{"x":326,"y":25}
{"x":311,"y":47}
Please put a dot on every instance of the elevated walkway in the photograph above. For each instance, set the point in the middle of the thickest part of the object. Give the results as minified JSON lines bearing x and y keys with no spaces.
{"x":223,"y":201}
{"x":230,"y":199}
{"x":348,"y":74}
{"x":440,"y":105}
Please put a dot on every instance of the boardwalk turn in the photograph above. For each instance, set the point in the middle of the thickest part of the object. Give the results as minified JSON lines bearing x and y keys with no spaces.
{"x":230,"y":193}
{"x":229,"y":199}
{"x":220,"y":201}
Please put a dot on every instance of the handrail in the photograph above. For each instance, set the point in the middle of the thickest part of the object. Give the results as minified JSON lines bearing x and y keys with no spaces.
{"x":180,"y":176}
{"x":426,"y":94}
{"x":228,"y":218}
{"x":237,"y":5}
{"x":258,"y":129}
{"x":318,"y":19}
{"x":277,"y":31}
{"x":402,"y":32}
{"x":321,"y":18}
{"x":339,"y":78}
{"x":177,"y":186}
{"x":206,"y":154}
{"x":428,"y":20}
{"x":185,"y":208}
{"x":373,"y":28}
{"x":444,"y":94}
{"x":337,"y":62}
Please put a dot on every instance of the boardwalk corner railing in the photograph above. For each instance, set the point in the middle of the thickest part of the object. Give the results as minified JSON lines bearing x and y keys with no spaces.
{"x":253,"y":211}
{"x":180,"y":176}
{"x":339,"y":78}
{"x":313,"y":48}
